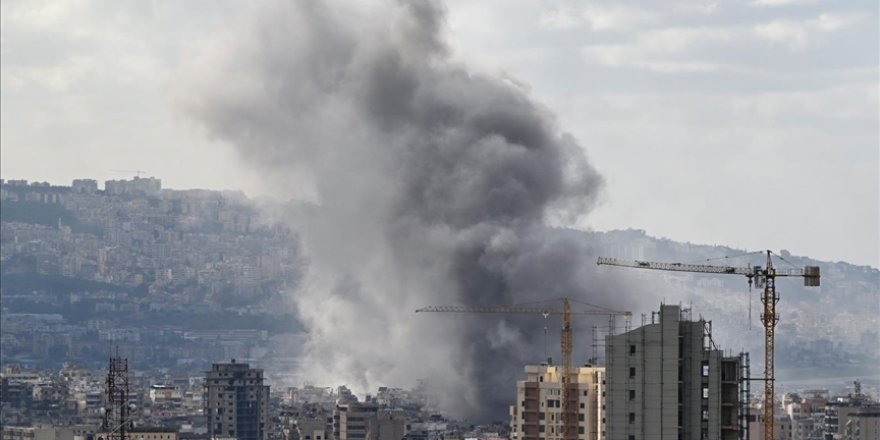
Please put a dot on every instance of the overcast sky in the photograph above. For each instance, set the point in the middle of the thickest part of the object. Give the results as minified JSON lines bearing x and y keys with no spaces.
{"x":748,"y":123}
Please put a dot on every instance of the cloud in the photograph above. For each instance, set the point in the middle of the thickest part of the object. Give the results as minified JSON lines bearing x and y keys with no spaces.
{"x":617,"y":18}
{"x":799,"y":34}
{"x":665,"y":51}
{"x":774,"y":3}
{"x":597,"y":18}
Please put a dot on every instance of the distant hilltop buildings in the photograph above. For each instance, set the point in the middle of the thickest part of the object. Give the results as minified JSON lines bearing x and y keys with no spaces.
{"x":143,"y":266}
{"x":150,"y":186}
{"x":147,"y":185}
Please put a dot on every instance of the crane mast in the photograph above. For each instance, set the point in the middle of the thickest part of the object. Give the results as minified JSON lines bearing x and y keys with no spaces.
{"x":769,"y":318}
{"x":765,"y":276}
{"x":569,"y":420}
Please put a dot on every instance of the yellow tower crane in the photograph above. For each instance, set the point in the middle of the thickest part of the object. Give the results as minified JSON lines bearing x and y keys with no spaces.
{"x":761,"y":276}
{"x":569,"y":418}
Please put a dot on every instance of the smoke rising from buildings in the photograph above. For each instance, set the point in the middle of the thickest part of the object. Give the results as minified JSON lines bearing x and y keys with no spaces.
{"x":435,"y":185}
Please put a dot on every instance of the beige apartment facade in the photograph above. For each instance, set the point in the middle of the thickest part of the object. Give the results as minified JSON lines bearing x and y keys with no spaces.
{"x":538,"y":413}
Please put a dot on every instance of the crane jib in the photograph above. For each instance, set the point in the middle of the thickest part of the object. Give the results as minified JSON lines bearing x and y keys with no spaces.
{"x":809,"y":273}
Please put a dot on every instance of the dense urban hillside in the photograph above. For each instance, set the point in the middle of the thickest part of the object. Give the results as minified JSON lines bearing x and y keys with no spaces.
{"x":189,"y":277}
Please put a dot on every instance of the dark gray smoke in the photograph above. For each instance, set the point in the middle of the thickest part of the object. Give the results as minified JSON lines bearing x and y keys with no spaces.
{"x":435,"y":184}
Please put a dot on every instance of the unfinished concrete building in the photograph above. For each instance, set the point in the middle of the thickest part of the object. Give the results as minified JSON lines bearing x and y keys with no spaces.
{"x":667,"y":381}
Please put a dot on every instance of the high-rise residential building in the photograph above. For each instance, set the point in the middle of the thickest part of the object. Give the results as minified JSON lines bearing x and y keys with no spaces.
{"x":666,"y":380}
{"x":538,"y":413}
{"x":236,"y":402}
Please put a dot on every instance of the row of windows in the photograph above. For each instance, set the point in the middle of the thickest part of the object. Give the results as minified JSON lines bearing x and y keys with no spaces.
{"x":632,"y":416}
{"x":553,"y":430}
{"x":632,"y":351}
{"x":555,"y":392}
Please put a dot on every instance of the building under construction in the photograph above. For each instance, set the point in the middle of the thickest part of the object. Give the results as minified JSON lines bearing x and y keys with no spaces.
{"x":666,"y":380}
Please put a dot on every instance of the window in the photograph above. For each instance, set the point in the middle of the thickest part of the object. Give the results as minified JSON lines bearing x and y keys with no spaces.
{"x":541,"y":428}
{"x":632,"y":417}
{"x":585,"y":393}
{"x":581,"y":417}
{"x":541,"y":415}
{"x":705,"y":414}
{"x":582,"y":405}
{"x":632,"y":349}
{"x":705,"y":369}
{"x":580,"y":429}
{"x":632,"y":437}
{"x":632,"y":394}
{"x":705,"y":392}
{"x":632,"y":371}
{"x":540,"y":378}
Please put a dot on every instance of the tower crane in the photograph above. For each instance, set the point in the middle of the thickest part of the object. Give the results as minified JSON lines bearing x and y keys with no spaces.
{"x":762,"y":277}
{"x":136,"y":172}
{"x":569,"y":421}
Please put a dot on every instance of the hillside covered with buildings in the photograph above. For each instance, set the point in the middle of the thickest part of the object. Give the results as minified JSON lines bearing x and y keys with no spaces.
{"x":183,"y":278}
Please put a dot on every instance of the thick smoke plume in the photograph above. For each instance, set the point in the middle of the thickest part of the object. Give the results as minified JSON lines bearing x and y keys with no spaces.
{"x":434,"y":184}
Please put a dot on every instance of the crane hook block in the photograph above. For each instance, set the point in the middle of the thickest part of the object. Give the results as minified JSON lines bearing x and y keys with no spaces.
{"x":811,"y":276}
